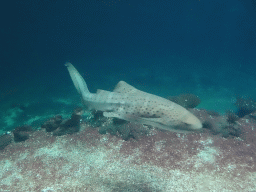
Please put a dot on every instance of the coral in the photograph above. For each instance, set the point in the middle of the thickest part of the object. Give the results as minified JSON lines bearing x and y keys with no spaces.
{"x":245,"y":106}
{"x":232,"y":118}
{"x":121,"y":128}
{"x":113,"y":126}
{"x":156,"y":161}
{"x":133,"y":157}
{"x":225,"y":126}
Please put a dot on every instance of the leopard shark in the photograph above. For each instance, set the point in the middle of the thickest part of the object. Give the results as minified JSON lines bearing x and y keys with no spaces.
{"x":130,"y":104}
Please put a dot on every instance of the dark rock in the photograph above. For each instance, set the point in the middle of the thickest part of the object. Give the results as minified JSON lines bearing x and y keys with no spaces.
{"x":71,"y":125}
{"x":243,"y":111}
{"x":98,"y":119}
{"x":22,"y":133}
{"x":186,"y":100}
{"x":5,"y":140}
{"x":53,"y":123}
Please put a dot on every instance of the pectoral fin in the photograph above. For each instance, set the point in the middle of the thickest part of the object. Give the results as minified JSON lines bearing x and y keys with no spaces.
{"x":111,"y":114}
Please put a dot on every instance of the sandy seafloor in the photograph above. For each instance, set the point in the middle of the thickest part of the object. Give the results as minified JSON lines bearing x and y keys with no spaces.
{"x":156,"y":161}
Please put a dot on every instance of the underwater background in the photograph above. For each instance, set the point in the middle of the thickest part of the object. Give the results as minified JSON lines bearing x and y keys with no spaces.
{"x":200,"y":54}
{"x":206,"y":48}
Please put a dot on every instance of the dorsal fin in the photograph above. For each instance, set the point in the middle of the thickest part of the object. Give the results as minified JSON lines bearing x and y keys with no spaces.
{"x":123,"y":87}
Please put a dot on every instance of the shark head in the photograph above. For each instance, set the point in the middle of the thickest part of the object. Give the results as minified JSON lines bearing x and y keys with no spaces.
{"x":192,"y":123}
{"x":181,"y":123}
{"x":187,"y":123}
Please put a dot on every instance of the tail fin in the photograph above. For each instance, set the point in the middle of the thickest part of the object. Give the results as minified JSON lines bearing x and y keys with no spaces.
{"x":78,"y":80}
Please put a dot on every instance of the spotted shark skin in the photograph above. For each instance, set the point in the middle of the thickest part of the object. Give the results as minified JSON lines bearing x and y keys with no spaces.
{"x":131,"y":104}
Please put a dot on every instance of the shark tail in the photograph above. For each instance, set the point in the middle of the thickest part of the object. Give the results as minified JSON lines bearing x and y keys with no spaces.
{"x":78,"y":81}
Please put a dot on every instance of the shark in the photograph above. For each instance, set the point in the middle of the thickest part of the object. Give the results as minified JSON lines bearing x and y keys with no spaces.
{"x":131,"y":104}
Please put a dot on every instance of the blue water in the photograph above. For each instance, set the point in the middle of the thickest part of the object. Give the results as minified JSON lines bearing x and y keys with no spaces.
{"x":163,"y":47}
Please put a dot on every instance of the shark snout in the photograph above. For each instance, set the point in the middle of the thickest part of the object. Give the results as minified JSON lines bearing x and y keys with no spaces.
{"x":193,"y":122}
{"x":196,"y":126}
